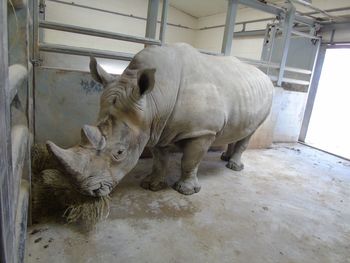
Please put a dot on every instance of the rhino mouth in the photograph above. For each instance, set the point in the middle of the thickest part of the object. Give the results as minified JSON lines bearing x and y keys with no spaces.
{"x":96,"y":188}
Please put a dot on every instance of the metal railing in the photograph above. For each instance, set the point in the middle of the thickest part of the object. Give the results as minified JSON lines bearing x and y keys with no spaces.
{"x":287,"y":16}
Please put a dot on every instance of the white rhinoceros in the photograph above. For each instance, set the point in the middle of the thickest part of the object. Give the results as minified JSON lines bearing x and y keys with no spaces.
{"x":169,"y":95}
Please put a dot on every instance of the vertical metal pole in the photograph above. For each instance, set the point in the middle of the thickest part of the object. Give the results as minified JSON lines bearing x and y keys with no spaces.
{"x":268,"y":46}
{"x":7,"y":224}
{"x":229,"y":27}
{"x":287,"y":32}
{"x":315,"y":78}
{"x":152,"y":14}
{"x":35,"y":54}
{"x":163,"y":21}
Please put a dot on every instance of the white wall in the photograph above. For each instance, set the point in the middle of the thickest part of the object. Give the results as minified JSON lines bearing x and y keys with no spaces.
{"x":211,"y":39}
{"x":78,"y":16}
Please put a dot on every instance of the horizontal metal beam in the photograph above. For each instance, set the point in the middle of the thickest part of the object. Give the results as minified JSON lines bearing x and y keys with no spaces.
{"x":240,"y":23}
{"x":213,"y":53}
{"x":278,"y":11}
{"x":273,"y":65}
{"x":263,"y":7}
{"x":250,"y":33}
{"x":97,"y":33}
{"x":335,"y":26}
{"x":304,"y":20}
{"x":302,"y":34}
{"x":337,"y":45}
{"x":80,"y":51}
{"x":289,"y":80}
{"x":114,"y":12}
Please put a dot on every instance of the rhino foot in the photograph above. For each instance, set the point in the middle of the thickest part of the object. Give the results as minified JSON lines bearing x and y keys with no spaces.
{"x":236,"y":166}
{"x":153,"y":183}
{"x":224,"y":157}
{"x":187,"y":187}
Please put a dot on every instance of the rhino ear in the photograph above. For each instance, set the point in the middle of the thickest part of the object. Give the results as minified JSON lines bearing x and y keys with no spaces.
{"x":91,"y":135}
{"x":146,"y":80}
{"x":70,"y":160}
{"x":98,"y":73}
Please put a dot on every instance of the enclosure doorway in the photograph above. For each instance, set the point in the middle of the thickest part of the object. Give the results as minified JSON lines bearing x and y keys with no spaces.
{"x":329,"y":126}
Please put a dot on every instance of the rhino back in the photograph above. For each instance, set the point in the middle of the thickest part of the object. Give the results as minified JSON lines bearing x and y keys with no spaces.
{"x":217,"y":95}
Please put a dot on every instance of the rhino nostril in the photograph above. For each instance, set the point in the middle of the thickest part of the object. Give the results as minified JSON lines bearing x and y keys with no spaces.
{"x":96,"y":191}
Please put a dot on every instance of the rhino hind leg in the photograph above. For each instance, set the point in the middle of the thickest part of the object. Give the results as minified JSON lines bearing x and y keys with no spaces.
{"x":156,"y":180}
{"x":193,"y":152}
{"x":234,"y":161}
{"x":225,"y":156}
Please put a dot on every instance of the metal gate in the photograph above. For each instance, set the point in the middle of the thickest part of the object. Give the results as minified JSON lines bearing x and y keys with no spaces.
{"x":16,"y":124}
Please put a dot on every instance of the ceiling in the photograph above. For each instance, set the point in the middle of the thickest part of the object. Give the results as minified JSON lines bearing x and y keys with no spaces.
{"x":200,"y":8}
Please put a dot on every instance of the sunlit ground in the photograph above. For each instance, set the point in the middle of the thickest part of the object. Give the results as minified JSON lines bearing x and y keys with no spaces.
{"x":329,"y":127}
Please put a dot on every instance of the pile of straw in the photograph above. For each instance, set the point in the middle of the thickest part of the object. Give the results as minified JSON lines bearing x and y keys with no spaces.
{"x":54,"y":195}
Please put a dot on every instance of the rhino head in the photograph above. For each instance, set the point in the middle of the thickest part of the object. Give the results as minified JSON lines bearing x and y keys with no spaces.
{"x":108,"y":151}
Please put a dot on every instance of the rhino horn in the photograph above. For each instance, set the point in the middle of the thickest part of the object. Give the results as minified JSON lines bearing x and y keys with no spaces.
{"x":92,"y":135}
{"x":71,"y":161}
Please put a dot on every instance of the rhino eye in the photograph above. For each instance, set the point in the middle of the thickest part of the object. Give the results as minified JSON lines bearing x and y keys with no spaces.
{"x":119,"y":153}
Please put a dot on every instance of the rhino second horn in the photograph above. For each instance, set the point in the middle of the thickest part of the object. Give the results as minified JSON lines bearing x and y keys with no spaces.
{"x":92,"y":135}
{"x":70,"y":160}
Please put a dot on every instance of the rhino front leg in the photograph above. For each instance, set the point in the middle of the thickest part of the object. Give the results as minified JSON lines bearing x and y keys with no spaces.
{"x":157,"y":179}
{"x":234,"y":161}
{"x":193,"y":152}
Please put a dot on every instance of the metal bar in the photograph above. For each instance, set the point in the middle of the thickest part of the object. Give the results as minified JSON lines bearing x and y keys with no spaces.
{"x":304,"y":20}
{"x":229,"y":27}
{"x":263,"y":7}
{"x":35,"y":17}
{"x":80,"y":51}
{"x":210,"y":52}
{"x":114,"y":13}
{"x":268,"y":45}
{"x":249,"y":33}
{"x":307,"y":4}
{"x":336,"y":26}
{"x":289,"y":80}
{"x":315,"y":78}
{"x":163,"y":21}
{"x":152,"y":13}
{"x":97,"y":33}
{"x":287,"y":30}
{"x":7,"y":226}
{"x":337,"y":45}
{"x":328,"y":10}
{"x":302,"y":34}
{"x":240,"y":23}
{"x":264,"y":63}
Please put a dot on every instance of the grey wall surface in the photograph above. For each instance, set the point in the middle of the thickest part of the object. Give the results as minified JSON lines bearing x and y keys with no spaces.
{"x":65,"y":100}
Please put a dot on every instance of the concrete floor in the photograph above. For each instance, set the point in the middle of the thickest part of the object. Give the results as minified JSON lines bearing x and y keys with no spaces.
{"x":290,"y":204}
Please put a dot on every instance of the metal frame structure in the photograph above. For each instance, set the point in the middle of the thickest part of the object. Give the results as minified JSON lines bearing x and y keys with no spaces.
{"x":15,"y":128}
{"x":7,"y":242}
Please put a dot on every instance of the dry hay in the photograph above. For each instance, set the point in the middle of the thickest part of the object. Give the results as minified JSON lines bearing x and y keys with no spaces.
{"x":54,"y":195}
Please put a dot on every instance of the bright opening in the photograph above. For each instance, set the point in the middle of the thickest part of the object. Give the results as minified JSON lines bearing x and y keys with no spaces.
{"x":329,"y":127}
